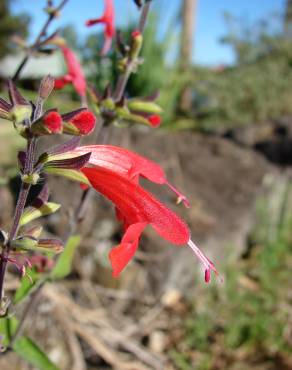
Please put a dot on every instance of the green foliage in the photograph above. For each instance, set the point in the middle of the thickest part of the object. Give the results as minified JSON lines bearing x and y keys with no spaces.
{"x":64,"y":262}
{"x":250,"y":313}
{"x":25,"y":347}
{"x":251,"y":41}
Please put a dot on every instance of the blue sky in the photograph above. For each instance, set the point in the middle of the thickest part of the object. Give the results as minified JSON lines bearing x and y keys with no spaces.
{"x":210,"y":23}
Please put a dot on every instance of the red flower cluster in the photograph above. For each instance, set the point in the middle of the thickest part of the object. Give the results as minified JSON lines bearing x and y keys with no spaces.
{"x":115,"y":174}
{"x":108,"y":19}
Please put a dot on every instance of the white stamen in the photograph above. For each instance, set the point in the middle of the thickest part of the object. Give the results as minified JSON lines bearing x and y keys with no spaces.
{"x":207,"y":264}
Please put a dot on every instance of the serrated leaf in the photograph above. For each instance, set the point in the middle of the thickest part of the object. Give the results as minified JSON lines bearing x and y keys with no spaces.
{"x":31,"y":214}
{"x":64,"y":264}
{"x":69,"y":174}
{"x":26,"y":285}
{"x":31,"y":352}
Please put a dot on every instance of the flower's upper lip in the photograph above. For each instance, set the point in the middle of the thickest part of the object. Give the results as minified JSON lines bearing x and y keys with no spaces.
{"x":128,"y":163}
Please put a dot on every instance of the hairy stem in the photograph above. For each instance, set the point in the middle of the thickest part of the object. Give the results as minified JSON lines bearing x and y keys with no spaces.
{"x":20,"y":205}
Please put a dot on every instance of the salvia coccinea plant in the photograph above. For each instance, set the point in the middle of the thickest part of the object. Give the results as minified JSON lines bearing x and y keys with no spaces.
{"x":112,"y":171}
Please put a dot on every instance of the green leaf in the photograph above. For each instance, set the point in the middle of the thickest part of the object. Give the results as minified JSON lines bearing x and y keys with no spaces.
{"x":26,"y":286}
{"x":64,"y":263}
{"x":24,"y":346}
{"x":31,"y":214}
{"x":70,"y":174}
{"x":30,"y":352}
{"x":8,"y":326}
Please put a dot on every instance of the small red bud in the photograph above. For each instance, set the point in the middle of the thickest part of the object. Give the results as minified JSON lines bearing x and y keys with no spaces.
{"x":154,"y":120}
{"x":84,"y":122}
{"x":136,"y":33}
{"x":53,"y":122}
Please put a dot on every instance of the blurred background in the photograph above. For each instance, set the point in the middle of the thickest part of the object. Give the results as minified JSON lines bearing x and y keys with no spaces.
{"x":224,"y":73}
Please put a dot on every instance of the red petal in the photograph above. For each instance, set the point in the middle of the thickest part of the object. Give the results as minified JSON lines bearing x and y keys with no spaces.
{"x":85,"y":122}
{"x":124,"y":162}
{"x":108,"y":19}
{"x":60,"y":83}
{"x":121,"y":255}
{"x":129,"y":164}
{"x":137,"y":205}
{"x":53,"y":121}
{"x":75,"y":72}
{"x":154,"y":120}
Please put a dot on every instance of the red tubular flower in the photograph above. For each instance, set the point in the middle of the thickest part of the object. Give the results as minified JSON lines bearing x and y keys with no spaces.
{"x":137,"y":208}
{"x":128,"y":164}
{"x":74,"y":75}
{"x":108,"y":19}
{"x":116,"y":175}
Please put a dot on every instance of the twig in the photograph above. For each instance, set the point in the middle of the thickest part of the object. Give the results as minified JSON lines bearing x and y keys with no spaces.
{"x":35,"y":45}
{"x":144,"y":16}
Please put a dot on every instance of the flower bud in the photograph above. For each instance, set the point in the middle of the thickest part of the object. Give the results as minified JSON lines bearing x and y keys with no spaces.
{"x":49,"y":123}
{"x":82,"y":123}
{"x":154,"y":120}
{"x":144,"y":106}
{"x":24,"y":243}
{"x":136,"y":45}
{"x":50,"y":245}
{"x":46,"y":87}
